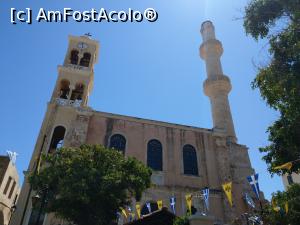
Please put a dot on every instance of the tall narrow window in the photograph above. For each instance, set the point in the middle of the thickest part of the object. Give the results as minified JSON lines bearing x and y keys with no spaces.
{"x":74,"y":57}
{"x":190,"y":165}
{"x":85,"y":60}
{"x":77,"y":93}
{"x":12,"y":189}
{"x":7,"y":185}
{"x":57,"y":138}
{"x":290,"y":179}
{"x":154,"y":155}
{"x":1,"y":218}
{"x":64,"y":89}
{"x":118,"y":142}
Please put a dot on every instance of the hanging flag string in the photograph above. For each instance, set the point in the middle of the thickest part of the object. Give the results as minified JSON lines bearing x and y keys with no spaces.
{"x":203,"y":193}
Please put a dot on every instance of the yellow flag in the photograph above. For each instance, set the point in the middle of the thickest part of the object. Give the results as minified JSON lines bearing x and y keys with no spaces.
{"x":286,"y":207}
{"x":123,"y":212}
{"x":287,"y":166}
{"x":138,"y":210}
{"x":227,"y":187}
{"x":39,"y":164}
{"x":160,"y":204}
{"x":188,"y":199}
{"x":274,"y":205}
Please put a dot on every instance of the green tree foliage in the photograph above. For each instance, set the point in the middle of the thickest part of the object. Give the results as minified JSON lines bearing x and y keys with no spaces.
{"x":88,"y":185}
{"x":181,"y":221}
{"x":279,"y":81}
{"x":292,"y":217}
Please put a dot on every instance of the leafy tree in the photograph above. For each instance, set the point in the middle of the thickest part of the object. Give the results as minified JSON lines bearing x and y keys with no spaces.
{"x":88,"y":185}
{"x":279,"y":82}
{"x":280,"y":217}
{"x":181,"y":221}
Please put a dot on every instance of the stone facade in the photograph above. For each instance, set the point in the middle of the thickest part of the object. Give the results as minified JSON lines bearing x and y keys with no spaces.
{"x":219,"y":157}
{"x":9,"y":189}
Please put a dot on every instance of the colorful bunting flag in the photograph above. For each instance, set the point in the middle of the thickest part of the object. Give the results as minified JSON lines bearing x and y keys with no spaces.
{"x":188,"y":199}
{"x":249,"y":200}
{"x":205,"y":193}
{"x":274,"y":205}
{"x":287,"y":166}
{"x":160,"y":204}
{"x":227,"y":187}
{"x":172,"y":204}
{"x":39,"y":164}
{"x":253,"y":180}
{"x":131,"y":214}
{"x":148,"y":206}
{"x":255,"y":220}
{"x":118,"y":216}
{"x":138,"y":210}
{"x":286,"y":207}
{"x":123,"y":212}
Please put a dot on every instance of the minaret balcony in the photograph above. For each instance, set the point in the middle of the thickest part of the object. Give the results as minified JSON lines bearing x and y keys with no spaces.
{"x":211,"y":48}
{"x":219,"y":84}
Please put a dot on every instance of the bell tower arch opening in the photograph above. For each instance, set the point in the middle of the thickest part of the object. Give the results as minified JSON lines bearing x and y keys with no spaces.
{"x":74,"y":57}
{"x":64,"y":89}
{"x":77,"y":92}
{"x":85,"y":60}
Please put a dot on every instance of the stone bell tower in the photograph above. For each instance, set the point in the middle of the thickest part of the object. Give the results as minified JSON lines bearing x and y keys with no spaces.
{"x":76,"y":75}
{"x":66,"y":110}
{"x":217,"y":85}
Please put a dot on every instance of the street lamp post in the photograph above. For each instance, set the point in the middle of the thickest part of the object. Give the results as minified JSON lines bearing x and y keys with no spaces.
{"x":42,"y":205}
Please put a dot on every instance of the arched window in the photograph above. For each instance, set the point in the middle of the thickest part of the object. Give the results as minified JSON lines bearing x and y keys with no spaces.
{"x":190,"y":165}
{"x":118,"y":142}
{"x":153,"y":208}
{"x":57,"y":138}
{"x":64,"y":89}
{"x":74,"y":57}
{"x":77,"y":92}
{"x":154,"y":155}
{"x":85,"y":60}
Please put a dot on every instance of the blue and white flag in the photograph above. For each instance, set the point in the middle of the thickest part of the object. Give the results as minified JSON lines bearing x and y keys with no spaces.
{"x":130,"y":214}
{"x":205,"y":193}
{"x":255,"y":220}
{"x":253,"y":180}
{"x":148,"y":206}
{"x":118,"y":216}
{"x":249,"y":200}
{"x":172,"y":204}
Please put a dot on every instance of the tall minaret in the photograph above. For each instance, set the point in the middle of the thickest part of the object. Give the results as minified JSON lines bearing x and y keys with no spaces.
{"x":217,"y":85}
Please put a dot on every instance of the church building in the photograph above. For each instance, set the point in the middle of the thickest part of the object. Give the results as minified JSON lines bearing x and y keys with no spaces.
{"x":184,"y":159}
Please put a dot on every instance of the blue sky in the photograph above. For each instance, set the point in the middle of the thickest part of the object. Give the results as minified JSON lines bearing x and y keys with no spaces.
{"x":147,"y":70}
